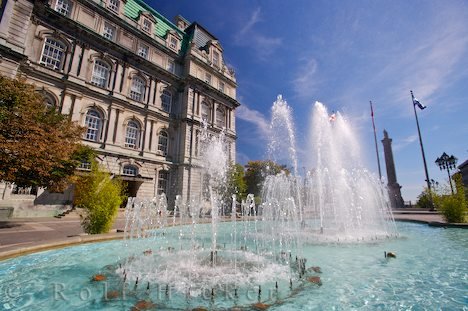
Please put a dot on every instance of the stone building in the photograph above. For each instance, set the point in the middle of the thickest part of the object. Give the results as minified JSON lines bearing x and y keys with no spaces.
{"x":139,"y":83}
{"x":464,"y":173}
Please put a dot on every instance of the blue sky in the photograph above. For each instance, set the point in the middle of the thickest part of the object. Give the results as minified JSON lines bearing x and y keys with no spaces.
{"x":345,"y":53}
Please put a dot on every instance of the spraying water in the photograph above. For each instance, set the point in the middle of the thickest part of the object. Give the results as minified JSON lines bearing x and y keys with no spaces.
{"x":337,"y":201}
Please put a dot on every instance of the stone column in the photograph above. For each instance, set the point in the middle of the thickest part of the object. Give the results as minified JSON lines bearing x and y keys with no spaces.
{"x":393,"y":187}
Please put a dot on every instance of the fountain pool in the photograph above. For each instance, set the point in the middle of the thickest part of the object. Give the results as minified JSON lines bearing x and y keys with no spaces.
{"x":430,"y":271}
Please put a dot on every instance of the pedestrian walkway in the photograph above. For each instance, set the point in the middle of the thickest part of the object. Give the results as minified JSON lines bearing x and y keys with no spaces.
{"x":24,"y":235}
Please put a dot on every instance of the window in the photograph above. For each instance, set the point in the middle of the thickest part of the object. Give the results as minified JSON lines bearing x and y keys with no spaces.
{"x":207,"y":78}
{"x":52,"y":53}
{"x":197,"y":143}
{"x":190,"y":97}
{"x":221,"y":86}
{"x":85,"y":165}
{"x":132,"y":134}
{"x":205,"y":111}
{"x":64,"y":7}
{"x":109,"y":32}
{"x":130,"y":170}
{"x":146,"y":25}
{"x":166,"y":100}
{"x":173,"y":42}
{"x":143,"y":51}
{"x":113,"y":5}
{"x":101,"y":71}
{"x":162,"y":142}
{"x":137,"y":91}
{"x":49,"y":100}
{"x":163,"y":177}
{"x":170,"y":66}
{"x":93,"y":123}
{"x":216,"y":58}
{"x":221,"y":117}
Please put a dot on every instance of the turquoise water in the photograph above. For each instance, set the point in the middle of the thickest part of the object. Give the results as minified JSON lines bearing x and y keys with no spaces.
{"x":429,"y":273}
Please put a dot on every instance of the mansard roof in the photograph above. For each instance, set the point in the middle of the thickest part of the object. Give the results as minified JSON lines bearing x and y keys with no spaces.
{"x":133,"y":9}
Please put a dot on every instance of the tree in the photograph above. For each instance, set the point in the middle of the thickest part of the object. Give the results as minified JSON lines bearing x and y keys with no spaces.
{"x":236,"y":182}
{"x":38,"y":145}
{"x":101,"y":196}
{"x":256,"y":171}
{"x":424,"y":199}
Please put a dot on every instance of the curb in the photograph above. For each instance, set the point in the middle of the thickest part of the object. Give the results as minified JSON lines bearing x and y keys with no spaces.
{"x":73,"y":240}
{"x":436,"y":223}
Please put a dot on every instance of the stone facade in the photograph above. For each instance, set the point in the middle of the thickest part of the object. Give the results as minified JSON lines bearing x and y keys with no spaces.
{"x":140,"y":84}
{"x":464,"y":173}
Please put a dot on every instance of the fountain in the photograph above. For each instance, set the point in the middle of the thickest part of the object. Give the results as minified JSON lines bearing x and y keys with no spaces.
{"x":338,"y":202}
{"x":316,"y":241}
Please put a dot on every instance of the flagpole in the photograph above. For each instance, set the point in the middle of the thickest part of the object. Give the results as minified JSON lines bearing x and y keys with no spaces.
{"x":375,"y":140}
{"x":422,"y":151}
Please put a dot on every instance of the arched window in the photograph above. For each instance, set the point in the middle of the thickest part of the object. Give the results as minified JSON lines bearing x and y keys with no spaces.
{"x":205,"y":111}
{"x":64,"y":7}
{"x":93,"y":123}
{"x":163,"y":142}
{"x":49,"y":100}
{"x":221,"y":117}
{"x":137,"y":90}
{"x":163,"y":178}
{"x":53,"y":53}
{"x":166,"y":100}
{"x":130,"y":170}
{"x":101,"y":73}
{"x":132,"y":134}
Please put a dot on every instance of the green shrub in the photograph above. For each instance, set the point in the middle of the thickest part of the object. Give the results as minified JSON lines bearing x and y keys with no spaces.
{"x":454,"y":206}
{"x":101,"y":196}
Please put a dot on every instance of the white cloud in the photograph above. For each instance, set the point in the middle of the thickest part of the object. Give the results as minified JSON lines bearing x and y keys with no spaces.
{"x":305,"y":81}
{"x":431,"y":62}
{"x":405,"y":142}
{"x":257,"y":119}
{"x":263,"y":45}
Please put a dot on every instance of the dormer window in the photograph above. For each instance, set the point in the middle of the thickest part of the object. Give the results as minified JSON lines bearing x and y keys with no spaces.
{"x":146,"y":25}
{"x":146,"y":22}
{"x":173,"y":40}
{"x":173,"y":43}
{"x":113,"y":5}
{"x":215,"y":58}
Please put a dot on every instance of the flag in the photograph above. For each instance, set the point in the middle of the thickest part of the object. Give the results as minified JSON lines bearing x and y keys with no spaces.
{"x":416,"y":102}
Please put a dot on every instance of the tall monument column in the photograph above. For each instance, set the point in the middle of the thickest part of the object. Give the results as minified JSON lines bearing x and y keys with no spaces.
{"x":393,"y":187}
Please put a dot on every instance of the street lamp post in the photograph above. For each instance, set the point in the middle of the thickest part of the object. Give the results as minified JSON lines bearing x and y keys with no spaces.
{"x":446,"y":162}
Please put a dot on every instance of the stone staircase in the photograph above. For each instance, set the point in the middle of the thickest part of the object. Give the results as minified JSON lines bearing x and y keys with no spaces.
{"x":71,"y":212}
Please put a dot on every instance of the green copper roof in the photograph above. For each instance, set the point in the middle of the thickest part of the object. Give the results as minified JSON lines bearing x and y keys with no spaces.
{"x":133,"y":9}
